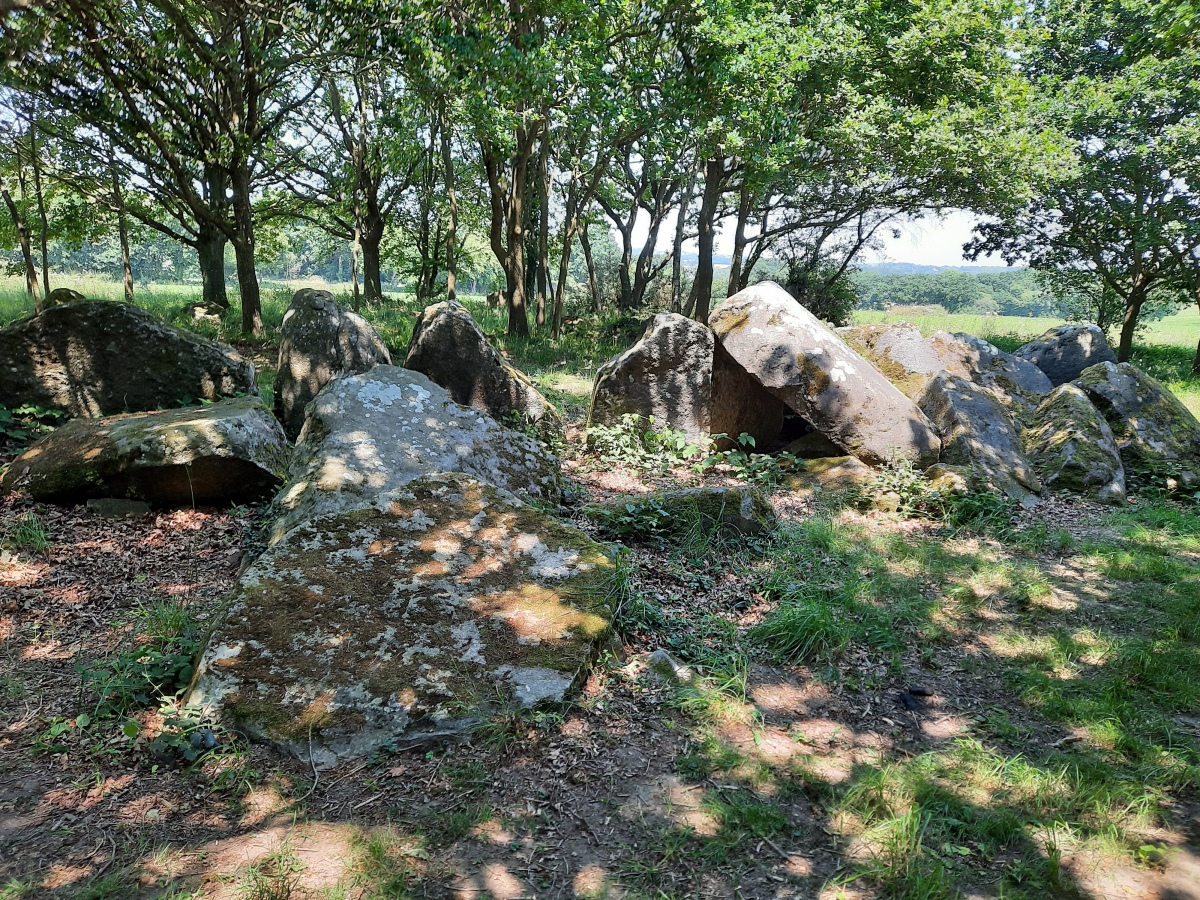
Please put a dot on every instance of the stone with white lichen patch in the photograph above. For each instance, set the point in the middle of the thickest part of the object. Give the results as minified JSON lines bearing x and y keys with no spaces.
{"x":371,"y":433}
{"x":359,"y":630}
{"x":802,"y":362}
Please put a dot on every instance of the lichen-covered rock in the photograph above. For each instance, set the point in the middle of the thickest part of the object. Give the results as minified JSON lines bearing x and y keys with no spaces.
{"x":1072,"y":447}
{"x":677,"y":373}
{"x":978,"y":434}
{"x":1065,"y":351}
{"x":666,"y":374}
{"x":59,"y":296}
{"x":370,"y":433}
{"x":453,"y":352}
{"x":381,"y":627}
{"x":899,"y":352}
{"x":807,"y":366}
{"x":98,"y":358}
{"x":831,"y":475}
{"x":730,"y":510}
{"x":233,"y":450}
{"x":1019,"y":385}
{"x":318,"y":341}
{"x":1149,"y":423}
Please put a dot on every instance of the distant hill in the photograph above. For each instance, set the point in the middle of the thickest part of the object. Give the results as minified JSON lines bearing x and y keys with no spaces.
{"x":899,"y":268}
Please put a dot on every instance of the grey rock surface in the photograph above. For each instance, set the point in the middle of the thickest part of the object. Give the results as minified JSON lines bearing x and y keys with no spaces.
{"x":371,"y":433}
{"x":98,"y":358}
{"x":318,"y":341}
{"x":1064,"y":351}
{"x":1073,"y":448}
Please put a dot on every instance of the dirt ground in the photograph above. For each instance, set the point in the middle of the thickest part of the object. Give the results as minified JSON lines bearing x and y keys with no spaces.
{"x":615,"y":795}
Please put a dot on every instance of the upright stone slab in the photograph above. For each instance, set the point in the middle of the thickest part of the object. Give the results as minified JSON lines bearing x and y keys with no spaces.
{"x":1073,"y":449}
{"x":1150,"y":424}
{"x":231,"y":451}
{"x":667,"y":374}
{"x":98,"y":358}
{"x":383,"y":627}
{"x":810,"y":369}
{"x":1064,"y":351}
{"x":319,"y":341}
{"x":371,"y":433}
{"x":449,"y":347}
{"x":978,"y":434}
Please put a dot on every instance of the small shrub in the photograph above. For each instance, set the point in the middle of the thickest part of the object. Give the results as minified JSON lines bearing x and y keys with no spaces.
{"x":634,"y":441}
{"x":746,"y":465}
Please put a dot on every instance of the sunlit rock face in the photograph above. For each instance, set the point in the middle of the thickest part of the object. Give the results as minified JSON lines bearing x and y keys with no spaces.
{"x":97,"y":358}
{"x":1065,"y":351}
{"x":979,"y":435}
{"x":370,"y":433}
{"x":1154,"y":431}
{"x":232,"y":450}
{"x":415,"y":619}
{"x":448,"y":346}
{"x":1073,"y":448}
{"x":318,"y":341}
{"x":796,"y":357}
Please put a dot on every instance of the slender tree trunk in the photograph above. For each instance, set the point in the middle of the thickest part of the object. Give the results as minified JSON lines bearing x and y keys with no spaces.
{"x":44,"y":237}
{"x":1133,"y":308}
{"x":210,"y":249}
{"x":543,"y":243}
{"x":571,"y":221}
{"x":701,"y":297}
{"x":126,"y":262}
{"x":243,"y":248}
{"x":452,"y":209}
{"x":355,"y":296}
{"x":585,"y":244}
{"x":739,"y":242}
{"x":685,"y":201}
{"x":370,"y":240}
{"x":31,"y":275}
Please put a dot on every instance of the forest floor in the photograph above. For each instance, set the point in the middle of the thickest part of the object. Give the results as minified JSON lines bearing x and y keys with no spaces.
{"x":873,"y":706}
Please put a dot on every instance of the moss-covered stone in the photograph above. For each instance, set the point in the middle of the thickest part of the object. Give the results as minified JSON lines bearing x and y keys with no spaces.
{"x":1073,"y":448}
{"x":233,"y":450}
{"x":1149,"y":423}
{"x":378,"y":627}
{"x":732,"y":510}
{"x":832,"y":475}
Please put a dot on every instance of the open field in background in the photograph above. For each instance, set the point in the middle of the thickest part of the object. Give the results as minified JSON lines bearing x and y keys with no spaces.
{"x":564,"y":369}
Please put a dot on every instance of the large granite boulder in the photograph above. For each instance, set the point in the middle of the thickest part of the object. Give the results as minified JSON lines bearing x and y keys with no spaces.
{"x":1073,"y":449}
{"x":1064,"y":351}
{"x":232,"y":450}
{"x":979,"y":435}
{"x":1150,"y":424}
{"x":449,"y":347}
{"x":371,"y":433}
{"x":677,"y":373}
{"x":59,"y":296}
{"x":797,"y":358}
{"x":98,"y":358}
{"x":384,"y":627}
{"x":318,"y":341}
{"x":899,"y":352}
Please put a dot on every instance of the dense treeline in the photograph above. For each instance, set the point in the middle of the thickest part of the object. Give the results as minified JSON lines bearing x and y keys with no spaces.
{"x":1019,"y":292}
{"x":428,"y":142}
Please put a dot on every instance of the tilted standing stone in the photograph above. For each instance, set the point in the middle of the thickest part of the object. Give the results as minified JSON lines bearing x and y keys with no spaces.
{"x":449,"y":347}
{"x":381,"y":627}
{"x":978,"y":434}
{"x":806,"y":365}
{"x":1072,"y":447}
{"x":319,"y":341}
{"x":370,"y":433}
{"x":1065,"y":351}
{"x":98,"y":358}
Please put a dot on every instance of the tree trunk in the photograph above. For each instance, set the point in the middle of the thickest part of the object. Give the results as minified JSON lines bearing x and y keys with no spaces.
{"x":585,"y":244}
{"x":210,"y":248}
{"x":543,"y":243}
{"x":44,"y":237}
{"x":243,"y":248}
{"x":571,"y":221}
{"x":685,"y":200}
{"x":1133,"y":307}
{"x":355,"y":296}
{"x":372,"y":277}
{"x":701,"y":297}
{"x":739,"y":242}
{"x":452,"y":209}
{"x":31,"y":275}
{"x":126,"y":262}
